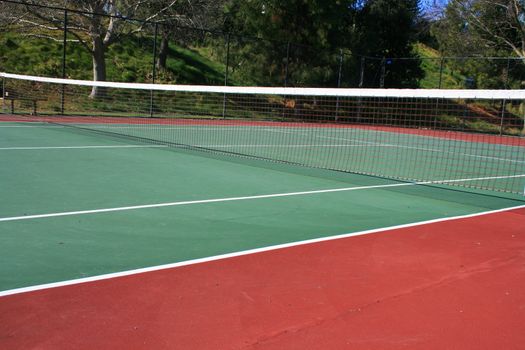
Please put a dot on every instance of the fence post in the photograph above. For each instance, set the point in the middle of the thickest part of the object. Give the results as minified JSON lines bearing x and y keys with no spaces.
{"x":339,"y":78}
{"x":441,"y":66}
{"x":361,"y":83}
{"x":227,"y":69}
{"x":154,"y":68}
{"x":440,"y":83}
{"x":383,"y":73}
{"x":504,"y":102}
{"x":362,"y":73}
{"x":507,"y":73}
{"x":64,"y":46}
{"x":155,"y":39}
{"x":341,"y":61}
{"x":286,"y":64}
{"x":226,"y":72}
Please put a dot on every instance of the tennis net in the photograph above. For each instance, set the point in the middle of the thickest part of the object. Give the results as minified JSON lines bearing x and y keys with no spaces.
{"x":469,"y":138}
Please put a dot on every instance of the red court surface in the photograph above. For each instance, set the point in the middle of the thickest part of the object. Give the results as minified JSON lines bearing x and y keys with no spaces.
{"x":458,"y":284}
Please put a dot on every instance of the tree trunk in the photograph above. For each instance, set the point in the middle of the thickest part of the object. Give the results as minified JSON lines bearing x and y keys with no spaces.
{"x":99,"y":66}
{"x":163,"y":52}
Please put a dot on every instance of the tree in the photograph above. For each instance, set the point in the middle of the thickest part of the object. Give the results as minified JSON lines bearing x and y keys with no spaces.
{"x":306,"y":32}
{"x":95,"y":24}
{"x":489,"y":24}
{"x":182,"y":20}
{"x":389,"y":31}
{"x":484,"y":28}
{"x":10,"y":14}
{"x":318,"y":29}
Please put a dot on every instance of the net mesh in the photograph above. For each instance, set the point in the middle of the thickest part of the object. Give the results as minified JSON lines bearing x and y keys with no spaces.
{"x":467,"y":138}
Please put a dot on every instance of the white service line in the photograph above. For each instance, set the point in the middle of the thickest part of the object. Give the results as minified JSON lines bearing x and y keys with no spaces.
{"x":161,"y":127}
{"x":241,"y":253}
{"x":31,"y":126}
{"x":232,"y":199}
{"x":281,"y":146}
{"x":78,"y":147}
{"x":202,"y":201}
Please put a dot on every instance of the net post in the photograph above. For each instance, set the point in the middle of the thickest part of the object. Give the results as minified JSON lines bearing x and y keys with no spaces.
{"x":154,"y":68}
{"x":226,"y":71}
{"x":64,"y":47}
{"x":3,"y":96}
{"x":522,"y":104}
{"x":339,"y":78}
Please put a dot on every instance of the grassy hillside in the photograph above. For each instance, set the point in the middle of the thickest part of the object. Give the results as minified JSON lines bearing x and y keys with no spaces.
{"x":488,"y":115}
{"x":129,"y":60}
{"x":431,"y":64}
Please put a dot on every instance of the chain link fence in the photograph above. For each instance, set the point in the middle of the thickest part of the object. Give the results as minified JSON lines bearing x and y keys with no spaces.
{"x":56,"y":42}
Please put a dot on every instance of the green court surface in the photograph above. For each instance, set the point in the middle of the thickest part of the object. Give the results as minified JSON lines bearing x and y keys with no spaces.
{"x":63,"y":172}
{"x":399,"y":155}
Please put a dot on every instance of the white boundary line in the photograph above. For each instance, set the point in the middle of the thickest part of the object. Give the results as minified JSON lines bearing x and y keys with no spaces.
{"x":78,"y":147}
{"x":30,"y":126}
{"x":241,"y":253}
{"x":202,"y":201}
{"x":287,"y":146}
{"x":232,"y":199}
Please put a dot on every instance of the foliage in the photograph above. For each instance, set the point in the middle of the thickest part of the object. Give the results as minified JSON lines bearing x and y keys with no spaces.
{"x":278,"y":23}
{"x":128,"y":60}
{"x":487,"y":29}
{"x":438,"y":71}
{"x":380,"y":28}
{"x":388,"y":29}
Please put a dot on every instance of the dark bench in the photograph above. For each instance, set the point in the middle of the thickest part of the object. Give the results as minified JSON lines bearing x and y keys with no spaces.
{"x":14,"y":96}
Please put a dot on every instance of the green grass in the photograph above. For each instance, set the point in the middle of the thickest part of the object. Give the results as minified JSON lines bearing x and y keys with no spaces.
{"x":130,"y":60}
{"x":431,"y":64}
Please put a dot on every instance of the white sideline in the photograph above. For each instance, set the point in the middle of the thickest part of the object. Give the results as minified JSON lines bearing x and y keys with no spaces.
{"x":240,"y":253}
{"x":78,"y":147}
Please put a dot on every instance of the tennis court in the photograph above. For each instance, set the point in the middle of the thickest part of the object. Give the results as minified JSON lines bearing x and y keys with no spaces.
{"x":129,"y":232}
